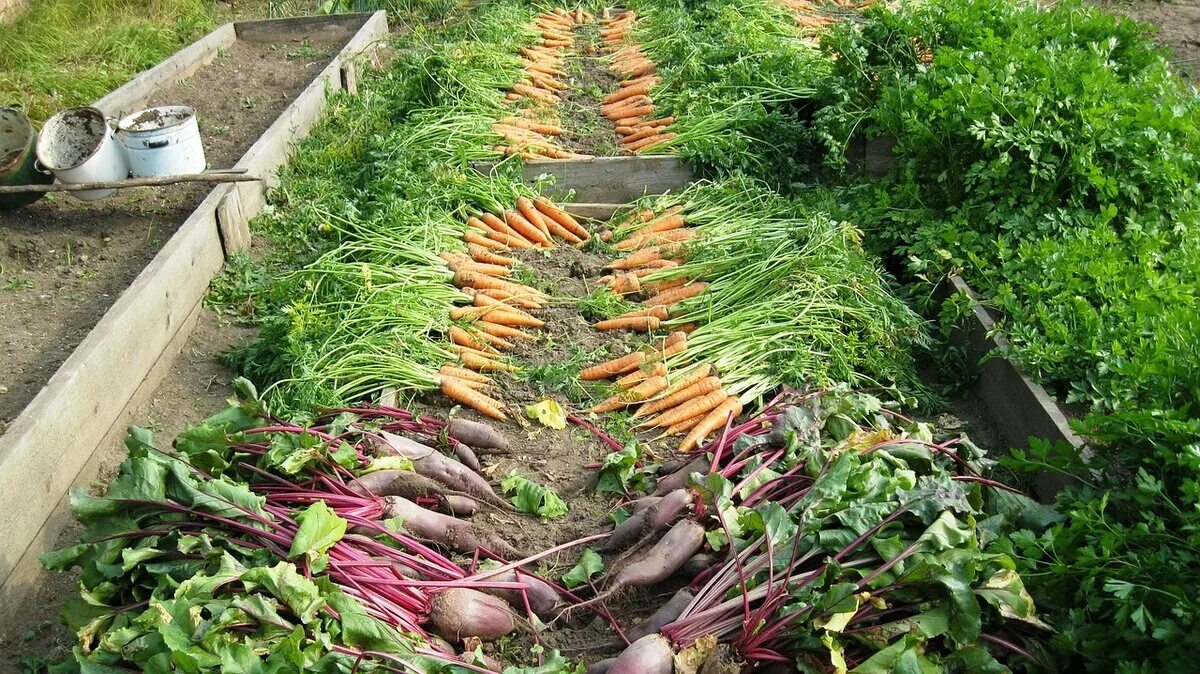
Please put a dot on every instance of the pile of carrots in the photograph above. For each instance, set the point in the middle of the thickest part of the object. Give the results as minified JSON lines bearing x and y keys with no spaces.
{"x":816,"y":15}
{"x":630,"y":107}
{"x":694,"y":403}
{"x":499,"y":310}
{"x":653,"y":246}
{"x":531,"y":135}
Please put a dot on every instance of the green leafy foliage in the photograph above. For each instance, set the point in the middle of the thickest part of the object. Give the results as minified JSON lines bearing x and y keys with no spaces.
{"x":1119,"y":574}
{"x":625,"y":472}
{"x":1049,"y":152}
{"x":533,"y":498}
{"x":589,"y":565}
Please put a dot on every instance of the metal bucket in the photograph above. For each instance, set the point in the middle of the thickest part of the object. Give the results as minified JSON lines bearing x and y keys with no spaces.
{"x":78,"y":146}
{"x":18,"y":159}
{"x":162,"y":141}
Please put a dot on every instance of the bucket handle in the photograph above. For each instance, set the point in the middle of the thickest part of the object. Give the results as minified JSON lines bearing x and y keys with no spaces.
{"x":155,"y":144}
{"x":37,"y":166}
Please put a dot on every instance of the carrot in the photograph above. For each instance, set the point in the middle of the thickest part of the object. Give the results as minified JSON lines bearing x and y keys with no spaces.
{"x":658,"y":369}
{"x":523,"y":318}
{"x":510,"y":241}
{"x":463,"y":338}
{"x":483,"y":254}
{"x":476,"y":223}
{"x":669,"y":297}
{"x":518,"y":299}
{"x":472,"y":237}
{"x":656,"y":238}
{"x":656,"y":287}
{"x":662,"y":121}
{"x":503,"y":331}
{"x":636,"y":394}
{"x":467,"y":264}
{"x":562,"y":232}
{"x":712,"y":422}
{"x":461,"y":393}
{"x":672,"y":218}
{"x":527,"y":210}
{"x":631,"y":113}
{"x":614,"y":109}
{"x":561,"y":217}
{"x":497,"y":315}
{"x":627,"y":92}
{"x":473,"y":385}
{"x":496,"y":341}
{"x":658,"y":312}
{"x":691,"y":377}
{"x":634,"y":260}
{"x":696,"y":390}
{"x":470,"y":279}
{"x":526,"y":228}
{"x":638,"y":323}
{"x":639,"y":134}
{"x":700,"y":405}
{"x":647,"y":143}
{"x":616,"y":366}
{"x":474,"y":360}
{"x":624,"y":284}
{"x":674,"y":343}
{"x":682,"y":426}
{"x":465,"y":375}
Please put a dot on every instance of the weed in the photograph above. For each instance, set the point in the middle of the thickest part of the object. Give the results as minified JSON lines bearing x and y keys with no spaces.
{"x":18,"y":283}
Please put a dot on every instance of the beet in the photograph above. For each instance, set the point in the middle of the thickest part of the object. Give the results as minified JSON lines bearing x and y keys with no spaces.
{"x":543,"y":598}
{"x":667,"y":614}
{"x":651,"y":654}
{"x":467,"y":457}
{"x":460,"y":612}
{"x":679,"y":478}
{"x":451,"y":532}
{"x":601,"y":667}
{"x":478,"y":435}
{"x":449,"y":473}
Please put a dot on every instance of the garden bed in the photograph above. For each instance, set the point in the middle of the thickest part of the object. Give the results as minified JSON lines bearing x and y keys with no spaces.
{"x":136,"y":271}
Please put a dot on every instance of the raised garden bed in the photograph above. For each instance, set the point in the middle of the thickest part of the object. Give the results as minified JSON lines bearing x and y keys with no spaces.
{"x":258,"y":86}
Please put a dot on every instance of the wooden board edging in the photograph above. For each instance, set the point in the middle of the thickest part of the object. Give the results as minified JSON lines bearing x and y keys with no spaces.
{"x":1020,"y":407}
{"x":50,"y":446}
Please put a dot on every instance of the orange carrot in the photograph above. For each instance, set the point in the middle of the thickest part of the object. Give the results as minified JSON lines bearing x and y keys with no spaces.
{"x":627,"y":92}
{"x":485,"y":300}
{"x":691,"y":377}
{"x":526,"y":228}
{"x":467,"y":264}
{"x":656,"y":238}
{"x":502,"y":316}
{"x":658,"y":369}
{"x":561,"y":217}
{"x":669,"y":297}
{"x":624,"y":284}
{"x":656,"y":287}
{"x":634,"y":260}
{"x":478,"y":224}
{"x":647,"y":143}
{"x":682,"y":426}
{"x":474,"y":360}
{"x":638,"y":323}
{"x":473,"y":237}
{"x":674,"y":343}
{"x":465,"y":375}
{"x":634,"y":395}
{"x":459,"y":392}
{"x":616,"y":366}
{"x":536,"y":127}
{"x":495,"y":341}
{"x":510,"y":241}
{"x":658,"y":312}
{"x":497,"y":225}
{"x":664,"y":121}
{"x":714,"y":420}
{"x":517,"y":299}
{"x":503,"y":331}
{"x":525,"y":207}
{"x":482,"y":254}
{"x":463,"y":338}
{"x":697,"y":389}
{"x":644,"y":132}
{"x":470,"y":279}
{"x":469,"y":383}
{"x":695,"y":406}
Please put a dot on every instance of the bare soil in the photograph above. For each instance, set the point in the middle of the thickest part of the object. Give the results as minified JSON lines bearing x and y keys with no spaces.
{"x":1178,"y":24}
{"x":63,"y":262}
{"x":585,"y":130}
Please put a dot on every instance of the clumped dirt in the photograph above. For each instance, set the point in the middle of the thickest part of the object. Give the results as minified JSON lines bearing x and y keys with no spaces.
{"x":585,"y":130}
{"x":63,"y":262}
{"x":1178,"y":24}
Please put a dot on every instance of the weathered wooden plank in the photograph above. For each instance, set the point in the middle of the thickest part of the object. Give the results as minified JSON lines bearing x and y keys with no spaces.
{"x":613,"y":180}
{"x":133,"y":94}
{"x":1019,"y":406}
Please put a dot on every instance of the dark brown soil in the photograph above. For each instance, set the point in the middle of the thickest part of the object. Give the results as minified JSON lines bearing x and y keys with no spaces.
{"x":1178,"y":23}
{"x":195,"y":388}
{"x":63,"y":262}
{"x":585,"y":130}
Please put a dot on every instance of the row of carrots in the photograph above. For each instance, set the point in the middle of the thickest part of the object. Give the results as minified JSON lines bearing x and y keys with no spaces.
{"x":655,"y":245}
{"x":630,"y":107}
{"x":695,"y":403}
{"x":815,"y":15}
{"x":531,"y":135}
{"x":500,"y":306}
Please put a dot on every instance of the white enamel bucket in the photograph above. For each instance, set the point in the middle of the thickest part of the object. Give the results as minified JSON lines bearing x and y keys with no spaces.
{"x":162,"y":141}
{"x":77,"y":145}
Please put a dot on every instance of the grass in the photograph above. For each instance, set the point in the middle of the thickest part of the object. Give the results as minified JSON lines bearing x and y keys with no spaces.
{"x":64,"y":53}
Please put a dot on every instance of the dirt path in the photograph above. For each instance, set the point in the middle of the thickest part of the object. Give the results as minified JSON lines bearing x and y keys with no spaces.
{"x":1178,"y":23}
{"x":585,"y":130}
